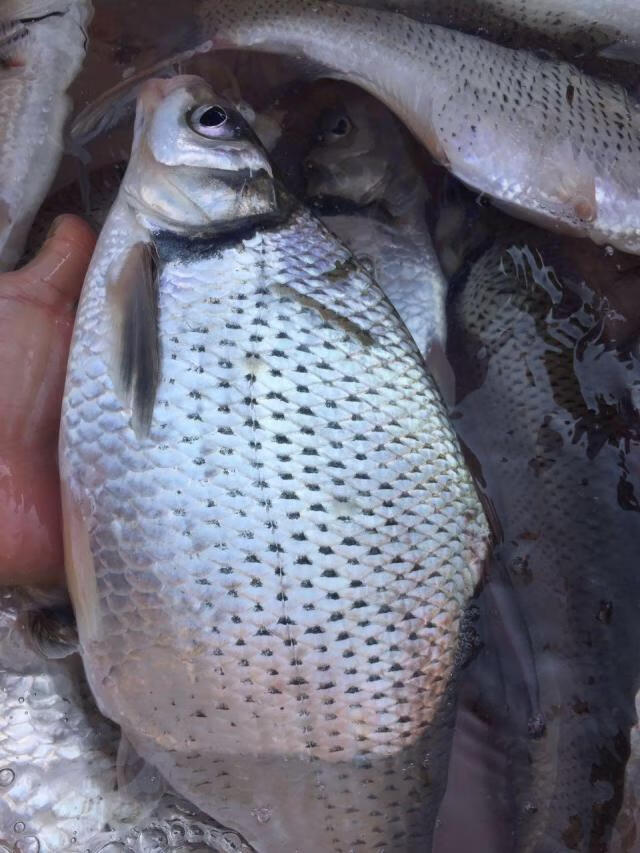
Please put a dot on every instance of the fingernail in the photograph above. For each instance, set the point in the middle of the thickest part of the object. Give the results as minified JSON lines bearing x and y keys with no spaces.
{"x":57,"y":222}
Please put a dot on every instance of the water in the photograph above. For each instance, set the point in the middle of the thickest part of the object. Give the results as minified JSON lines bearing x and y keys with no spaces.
{"x":547,"y":378}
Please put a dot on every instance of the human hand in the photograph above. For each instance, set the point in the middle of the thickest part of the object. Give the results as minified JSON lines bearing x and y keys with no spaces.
{"x":37,"y":309}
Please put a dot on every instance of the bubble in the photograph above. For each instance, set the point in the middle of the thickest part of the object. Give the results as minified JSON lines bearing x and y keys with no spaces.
{"x":28,"y":844}
{"x":262,"y":815}
{"x":7,"y":777}
{"x":152,"y":841}
{"x":18,"y":826}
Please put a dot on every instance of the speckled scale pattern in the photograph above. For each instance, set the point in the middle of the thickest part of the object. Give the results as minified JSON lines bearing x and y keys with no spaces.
{"x":554,"y":145}
{"x":568,"y":542}
{"x":282,"y":564}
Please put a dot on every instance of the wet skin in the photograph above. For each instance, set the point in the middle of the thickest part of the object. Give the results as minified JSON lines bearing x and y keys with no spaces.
{"x":37,"y":309}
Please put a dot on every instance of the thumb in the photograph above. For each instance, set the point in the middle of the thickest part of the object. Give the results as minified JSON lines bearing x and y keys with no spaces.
{"x":54,"y":277}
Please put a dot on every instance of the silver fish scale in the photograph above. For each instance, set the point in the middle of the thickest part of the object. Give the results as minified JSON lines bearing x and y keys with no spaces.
{"x":282,"y":564}
{"x":569,"y":544}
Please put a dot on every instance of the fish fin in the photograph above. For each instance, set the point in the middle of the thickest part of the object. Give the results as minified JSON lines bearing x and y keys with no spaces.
{"x":441,"y":370}
{"x":138,"y":779}
{"x":622,"y":51}
{"x":133,"y":298}
{"x":570,"y":180}
{"x":79,"y":566}
{"x":52,"y":631}
{"x":117,"y":103}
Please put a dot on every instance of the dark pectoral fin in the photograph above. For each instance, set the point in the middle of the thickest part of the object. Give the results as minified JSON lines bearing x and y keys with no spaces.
{"x":133,"y":296}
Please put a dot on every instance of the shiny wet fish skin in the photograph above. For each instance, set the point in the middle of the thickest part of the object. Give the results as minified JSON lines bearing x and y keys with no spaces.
{"x":363,"y":156}
{"x":269,"y":575}
{"x":58,"y":767}
{"x":42,"y":46}
{"x":541,"y":138}
{"x":587,"y":27}
{"x":548,"y":416}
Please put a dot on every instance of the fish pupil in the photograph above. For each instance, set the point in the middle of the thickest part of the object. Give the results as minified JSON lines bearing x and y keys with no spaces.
{"x":341,"y":127}
{"x":213,"y":117}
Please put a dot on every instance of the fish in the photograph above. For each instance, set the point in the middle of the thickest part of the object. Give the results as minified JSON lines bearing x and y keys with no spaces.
{"x":42,"y":47}
{"x":547,"y":404}
{"x":545,"y":141}
{"x":583,"y":29}
{"x":61,"y":768}
{"x":362,"y":170}
{"x":271,"y":536}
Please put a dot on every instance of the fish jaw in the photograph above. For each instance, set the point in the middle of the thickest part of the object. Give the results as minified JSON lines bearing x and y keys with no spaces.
{"x":34,"y":107}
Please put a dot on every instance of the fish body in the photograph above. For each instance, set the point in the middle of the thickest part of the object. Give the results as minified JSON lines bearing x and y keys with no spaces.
{"x":541,"y":138}
{"x":269,"y":567}
{"x":573,"y":28}
{"x":42,"y":46}
{"x":363,"y":159}
{"x":548,"y":412}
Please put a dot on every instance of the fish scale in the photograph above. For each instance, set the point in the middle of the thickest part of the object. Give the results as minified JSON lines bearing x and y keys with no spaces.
{"x":279,"y":567}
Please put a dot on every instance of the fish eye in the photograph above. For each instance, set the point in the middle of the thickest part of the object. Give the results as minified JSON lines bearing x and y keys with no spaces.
{"x":209,"y":120}
{"x":334,"y":125}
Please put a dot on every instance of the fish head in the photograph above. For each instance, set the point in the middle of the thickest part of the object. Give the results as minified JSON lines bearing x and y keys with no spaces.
{"x":195,"y":165}
{"x":353,"y":155}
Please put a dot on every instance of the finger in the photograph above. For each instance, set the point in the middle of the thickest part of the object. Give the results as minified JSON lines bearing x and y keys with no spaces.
{"x":54,"y":277}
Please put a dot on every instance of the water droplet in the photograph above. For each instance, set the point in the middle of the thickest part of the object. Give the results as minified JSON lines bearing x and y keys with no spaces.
{"x":28,"y":844}
{"x":6,"y":777}
{"x":21,"y":699}
{"x":262,"y":815}
{"x":18,"y":826}
{"x":152,"y":841}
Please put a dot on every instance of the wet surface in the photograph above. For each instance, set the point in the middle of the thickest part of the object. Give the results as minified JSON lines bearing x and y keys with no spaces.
{"x":543,"y":341}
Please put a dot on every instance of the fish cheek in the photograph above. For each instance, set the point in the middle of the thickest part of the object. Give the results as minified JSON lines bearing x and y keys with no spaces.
{"x":132,"y":297}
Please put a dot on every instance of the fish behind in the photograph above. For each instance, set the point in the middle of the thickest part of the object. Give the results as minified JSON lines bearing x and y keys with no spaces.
{"x":270,"y":532}
{"x":364,"y":179}
{"x":42,"y":46}
{"x":544,"y":140}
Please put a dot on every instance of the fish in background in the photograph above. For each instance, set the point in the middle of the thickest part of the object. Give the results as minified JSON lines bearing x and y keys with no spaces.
{"x":544,"y":140}
{"x":270,"y":532}
{"x":364,"y":180}
{"x":42,"y":47}
{"x":548,"y":380}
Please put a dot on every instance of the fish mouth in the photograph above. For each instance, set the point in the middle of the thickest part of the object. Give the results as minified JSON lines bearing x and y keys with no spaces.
{"x":334,"y":205}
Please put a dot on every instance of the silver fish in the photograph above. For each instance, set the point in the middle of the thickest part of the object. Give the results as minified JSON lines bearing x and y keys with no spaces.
{"x":544,"y":140}
{"x":63,"y":783}
{"x":364,"y":157}
{"x":586,"y":27}
{"x":42,"y":46}
{"x":270,"y":532}
{"x":549,"y":412}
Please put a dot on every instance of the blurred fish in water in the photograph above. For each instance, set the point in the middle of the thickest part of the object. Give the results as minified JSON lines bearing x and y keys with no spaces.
{"x":544,"y":140}
{"x":550,"y":411}
{"x":364,"y":180}
{"x":270,"y":531}
{"x":42,"y":46}
{"x":575,"y":28}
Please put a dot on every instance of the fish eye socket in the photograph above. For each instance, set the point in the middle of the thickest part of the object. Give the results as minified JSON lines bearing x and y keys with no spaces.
{"x":210,"y":120}
{"x":334,"y":125}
